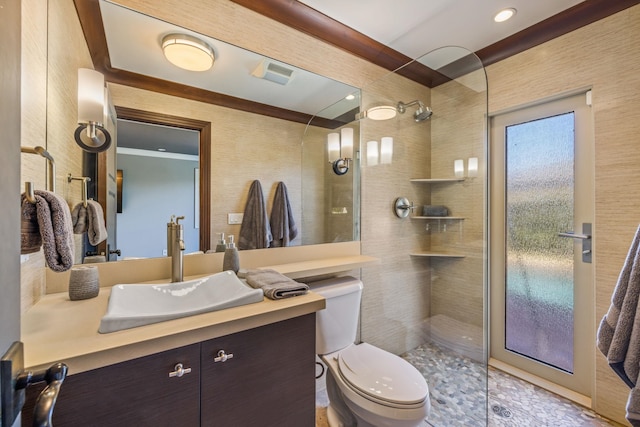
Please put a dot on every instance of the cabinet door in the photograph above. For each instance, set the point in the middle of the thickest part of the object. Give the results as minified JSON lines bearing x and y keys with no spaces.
{"x":139,"y":392}
{"x":269,"y":381}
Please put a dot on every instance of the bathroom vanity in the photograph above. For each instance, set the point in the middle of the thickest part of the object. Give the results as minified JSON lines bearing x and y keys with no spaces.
{"x":262,"y":376}
{"x":242,"y":366}
{"x":140,"y":376}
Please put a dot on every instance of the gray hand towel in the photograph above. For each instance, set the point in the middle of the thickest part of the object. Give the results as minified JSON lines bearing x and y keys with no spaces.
{"x":283,"y":226}
{"x":274,"y":284}
{"x":30,"y":239}
{"x":619,"y":331}
{"x":89,"y":220}
{"x":79,"y":219}
{"x":96,"y":231}
{"x":255,"y":232}
{"x":55,"y":228}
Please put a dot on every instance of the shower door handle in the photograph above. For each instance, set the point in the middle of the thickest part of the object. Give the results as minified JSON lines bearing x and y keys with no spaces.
{"x":573,"y":235}
{"x":585,"y":236}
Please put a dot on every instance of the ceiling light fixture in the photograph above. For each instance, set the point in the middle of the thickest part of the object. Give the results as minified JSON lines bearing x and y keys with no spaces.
{"x":188,"y":52}
{"x":382,"y":112}
{"x":504,"y":14}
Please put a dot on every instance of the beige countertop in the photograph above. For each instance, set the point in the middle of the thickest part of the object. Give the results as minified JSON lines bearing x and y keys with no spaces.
{"x":58,"y":329}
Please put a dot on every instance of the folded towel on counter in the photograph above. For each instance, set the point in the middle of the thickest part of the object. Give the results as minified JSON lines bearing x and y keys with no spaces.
{"x":54,"y":224}
{"x":89,"y":219}
{"x":283,"y":226}
{"x":255,"y":232}
{"x":618,"y":335}
{"x":274,"y":284}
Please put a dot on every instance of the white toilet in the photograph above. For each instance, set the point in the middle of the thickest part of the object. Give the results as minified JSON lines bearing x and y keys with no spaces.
{"x":367,"y":386}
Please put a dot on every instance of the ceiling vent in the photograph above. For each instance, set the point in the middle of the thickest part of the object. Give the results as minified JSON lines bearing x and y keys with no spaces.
{"x":273,"y":72}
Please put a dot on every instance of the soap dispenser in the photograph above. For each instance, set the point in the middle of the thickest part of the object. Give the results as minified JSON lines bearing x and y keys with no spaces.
{"x":222,"y":245}
{"x":231,"y":260}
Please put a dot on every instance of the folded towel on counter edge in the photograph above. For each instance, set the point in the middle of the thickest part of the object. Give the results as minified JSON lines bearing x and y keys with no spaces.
{"x":55,"y":228}
{"x":274,"y":284}
{"x":255,"y":232}
{"x":283,"y":226}
{"x":89,"y":220}
{"x":618,"y":335}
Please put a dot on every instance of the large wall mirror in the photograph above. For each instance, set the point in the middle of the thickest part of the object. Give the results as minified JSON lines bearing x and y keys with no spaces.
{"x":247,"y":115}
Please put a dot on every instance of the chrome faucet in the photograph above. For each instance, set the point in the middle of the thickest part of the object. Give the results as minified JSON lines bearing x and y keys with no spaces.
{"x":175,"y":247}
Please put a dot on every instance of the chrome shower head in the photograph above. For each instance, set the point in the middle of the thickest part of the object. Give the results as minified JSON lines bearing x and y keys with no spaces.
{"x":422,"y":113}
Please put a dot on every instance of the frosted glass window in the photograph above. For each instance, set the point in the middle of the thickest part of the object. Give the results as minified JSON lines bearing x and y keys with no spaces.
{"x":539,"y":264}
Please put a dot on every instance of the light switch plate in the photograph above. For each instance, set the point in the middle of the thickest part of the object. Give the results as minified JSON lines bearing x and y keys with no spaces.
{"x":11,"y":365}
{"x":234,"y":218}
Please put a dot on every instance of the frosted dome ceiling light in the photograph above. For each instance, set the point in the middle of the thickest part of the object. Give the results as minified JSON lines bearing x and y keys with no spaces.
{"x":382,"y":112}
{"x":188,"y":52}
{"x":504,"y":14}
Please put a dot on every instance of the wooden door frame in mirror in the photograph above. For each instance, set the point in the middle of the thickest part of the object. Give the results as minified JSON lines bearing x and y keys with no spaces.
{"x":204,"y":128}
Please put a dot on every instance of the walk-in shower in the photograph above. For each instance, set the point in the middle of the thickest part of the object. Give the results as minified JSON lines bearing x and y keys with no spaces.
{"x":421,"y":114}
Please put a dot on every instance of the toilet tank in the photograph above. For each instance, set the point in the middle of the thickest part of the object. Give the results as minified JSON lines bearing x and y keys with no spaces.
{"x":337,"y":324}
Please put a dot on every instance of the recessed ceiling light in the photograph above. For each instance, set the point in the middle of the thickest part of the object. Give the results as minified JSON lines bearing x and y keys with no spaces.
{"x":504,"y":14}
{"x":350,"y":97}
{"x":162,"y":149}
{"x":187,"y":52}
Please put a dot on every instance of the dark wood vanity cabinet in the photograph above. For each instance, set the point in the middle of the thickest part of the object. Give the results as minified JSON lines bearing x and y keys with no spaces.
{"x":269,"y":381}
{"x":138,"y":392}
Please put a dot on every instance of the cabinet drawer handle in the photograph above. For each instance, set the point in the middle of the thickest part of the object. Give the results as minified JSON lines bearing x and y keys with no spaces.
{"x":222,"y":356}
{"x":179,"y":371}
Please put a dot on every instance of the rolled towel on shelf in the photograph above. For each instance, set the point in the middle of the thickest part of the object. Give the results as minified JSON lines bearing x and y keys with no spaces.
{"x":435,"y":210}
{"x":275,"y":285}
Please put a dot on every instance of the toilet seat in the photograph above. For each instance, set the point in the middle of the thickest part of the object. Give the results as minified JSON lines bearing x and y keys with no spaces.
{"x":382,"y":377}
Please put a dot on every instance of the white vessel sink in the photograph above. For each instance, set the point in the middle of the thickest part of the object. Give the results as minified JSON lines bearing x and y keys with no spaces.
{"x":133,"y":305}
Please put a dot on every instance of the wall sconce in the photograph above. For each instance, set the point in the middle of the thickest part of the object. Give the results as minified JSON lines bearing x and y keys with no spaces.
{"x":472,"y":167}
{"x":340,"y":150}
{"x":386,"y":150}
{"x":458,"y":168}
{"x":91,"y":135}
{"x":372,"y":153}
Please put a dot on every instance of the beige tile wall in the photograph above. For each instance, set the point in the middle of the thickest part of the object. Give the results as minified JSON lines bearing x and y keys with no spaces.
{"x":49,"y":115}
{"x":459,"y":132}
{"x":244,"y":147}
{"x":605,"y":56}
{"x":396,"y":293}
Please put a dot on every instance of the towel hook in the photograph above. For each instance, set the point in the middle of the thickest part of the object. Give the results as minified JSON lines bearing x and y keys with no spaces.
{"x":51,"y":171}
{"x":84,"y":180}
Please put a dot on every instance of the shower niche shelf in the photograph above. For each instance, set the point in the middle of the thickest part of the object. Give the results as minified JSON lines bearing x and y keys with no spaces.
{"x":427,"y":254}
{"x":437,"y":254}
{"x":456,"y":218}
{"x":436,"y":180}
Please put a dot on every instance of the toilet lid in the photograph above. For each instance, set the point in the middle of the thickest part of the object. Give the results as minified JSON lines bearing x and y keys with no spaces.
{"x":382,"y":375}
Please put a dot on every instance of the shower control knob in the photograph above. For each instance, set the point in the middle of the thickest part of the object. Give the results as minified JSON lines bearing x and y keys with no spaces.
{"x":222,"y":356}
{"x":179,"y":370}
